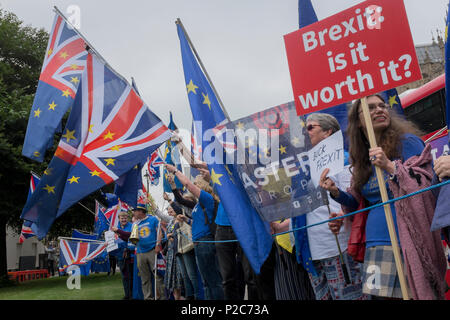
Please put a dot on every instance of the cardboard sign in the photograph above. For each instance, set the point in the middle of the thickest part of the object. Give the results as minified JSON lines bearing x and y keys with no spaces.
{"x":327,"y":154}
{"x":363,"y":50}
{"x":110,"y":240}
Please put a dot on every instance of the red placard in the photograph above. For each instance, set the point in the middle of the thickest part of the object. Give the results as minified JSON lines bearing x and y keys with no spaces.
{"x":363,"y":50}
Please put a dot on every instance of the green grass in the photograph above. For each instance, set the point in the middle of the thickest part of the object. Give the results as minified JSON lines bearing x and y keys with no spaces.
{"x":93,"y":287}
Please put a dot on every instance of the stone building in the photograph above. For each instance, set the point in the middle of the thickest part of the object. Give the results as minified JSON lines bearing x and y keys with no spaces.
{"x":431,"y":61}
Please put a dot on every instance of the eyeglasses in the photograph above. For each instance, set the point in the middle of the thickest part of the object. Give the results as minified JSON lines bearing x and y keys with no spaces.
{"x":382,"y":106}
{"x":372,"y":107}
{"x":309,"y":127}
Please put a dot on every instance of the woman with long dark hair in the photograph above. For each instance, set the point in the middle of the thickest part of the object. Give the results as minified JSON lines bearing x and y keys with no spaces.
{"x":401,"y":156}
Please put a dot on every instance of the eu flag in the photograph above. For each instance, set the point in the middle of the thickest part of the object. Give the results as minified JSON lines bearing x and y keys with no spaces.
{"x":109,"y":130}
{"x":252,"y":233}
{"x":101,"y":223}
{"x":128,"y":185}
{"x":171,"y":156}
{"x":64,"y":62}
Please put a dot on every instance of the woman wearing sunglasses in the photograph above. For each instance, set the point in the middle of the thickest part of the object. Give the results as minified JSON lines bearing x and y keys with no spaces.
{"x":406,"y":166}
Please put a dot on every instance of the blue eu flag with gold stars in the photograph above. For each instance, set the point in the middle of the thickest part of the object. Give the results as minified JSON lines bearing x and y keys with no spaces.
{"x":109,"y":130}
{"x":253,"y":234}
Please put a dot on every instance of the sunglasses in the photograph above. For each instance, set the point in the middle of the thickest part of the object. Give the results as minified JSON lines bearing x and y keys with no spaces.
{"x":309,"y":127}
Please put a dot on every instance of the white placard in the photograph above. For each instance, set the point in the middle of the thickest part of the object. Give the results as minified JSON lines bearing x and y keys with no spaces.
{"x":328,"y":153}
{"x":110,"y":240}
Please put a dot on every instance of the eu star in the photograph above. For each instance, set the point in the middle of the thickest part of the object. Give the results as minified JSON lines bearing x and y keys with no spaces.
{"x":69,"y":135}
{"x":393,"y":100}
{"x":206,"y":101}
{"x":109,"y":135}
{"x":52,"y":106}
{"x":73,"y":179}
{"x":66,"y":93}
{"x":215,"y":177}
{"x":191,"y":87}
{"x":50,"y":189}
{"x":37,"y":113}
{"x":110,"y":161}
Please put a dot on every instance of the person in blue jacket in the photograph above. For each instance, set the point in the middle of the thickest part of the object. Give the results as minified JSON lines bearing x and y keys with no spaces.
{"x":145,"y":253}
{"x":397,"y":139}
{"x":202,"y":235}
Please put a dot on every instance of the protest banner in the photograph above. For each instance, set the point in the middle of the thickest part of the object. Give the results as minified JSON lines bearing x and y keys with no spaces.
{"x":110,"y":241}
{"x":328,"y":153}
{"x":273,"y":164}
{"x":357,"y":52}
{"x":360,"y":51}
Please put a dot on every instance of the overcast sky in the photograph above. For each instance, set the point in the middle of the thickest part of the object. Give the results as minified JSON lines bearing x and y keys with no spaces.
{"x":240,"y":43}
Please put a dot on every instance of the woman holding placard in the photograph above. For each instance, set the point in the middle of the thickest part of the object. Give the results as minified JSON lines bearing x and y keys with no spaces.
{"x":401,"y":156}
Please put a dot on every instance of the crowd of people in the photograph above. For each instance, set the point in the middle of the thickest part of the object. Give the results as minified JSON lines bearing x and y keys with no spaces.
{"x":351,"y":258}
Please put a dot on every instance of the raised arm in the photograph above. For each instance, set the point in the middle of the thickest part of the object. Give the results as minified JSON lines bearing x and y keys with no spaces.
{"x":184,"y":180}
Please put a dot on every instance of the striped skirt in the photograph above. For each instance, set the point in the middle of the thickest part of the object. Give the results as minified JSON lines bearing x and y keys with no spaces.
{"x":291,"y":279}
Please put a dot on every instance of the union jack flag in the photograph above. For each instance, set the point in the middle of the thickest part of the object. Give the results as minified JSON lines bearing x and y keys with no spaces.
{"x":109,"y":130}
{"x":142,"y":197}
{"x":63,"y":65}
{"x":28,"y":226}
{"x":153,"y":164}
{"x":78,"y":252}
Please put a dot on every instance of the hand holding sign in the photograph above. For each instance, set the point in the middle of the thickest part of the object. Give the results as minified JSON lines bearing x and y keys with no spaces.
{"x":328,"y":153}
{"x":328,"y":184}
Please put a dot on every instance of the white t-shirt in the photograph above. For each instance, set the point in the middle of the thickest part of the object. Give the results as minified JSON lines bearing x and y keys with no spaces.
{"x":322,"y":242}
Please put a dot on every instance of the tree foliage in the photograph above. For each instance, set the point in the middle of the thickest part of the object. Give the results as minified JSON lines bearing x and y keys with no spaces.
{"x":22,"y":50}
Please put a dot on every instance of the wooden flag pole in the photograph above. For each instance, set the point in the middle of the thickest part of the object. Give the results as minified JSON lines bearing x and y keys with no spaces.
{"x":384,"y":198}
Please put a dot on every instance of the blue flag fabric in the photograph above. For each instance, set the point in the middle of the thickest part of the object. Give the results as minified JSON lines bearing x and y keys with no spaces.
{"x":391,"y":97}
{"x":29,"y":229}
{"x":253,"y":234}
{"x":109,"y":131}
{"x":306,"y":13}
{"x":101,"y":223}
{"x":128,"y":185}
{"x":171,"y":156}
{"x":100,"y":263}
{"x":137,"y":283}
{"x":64,"y":62}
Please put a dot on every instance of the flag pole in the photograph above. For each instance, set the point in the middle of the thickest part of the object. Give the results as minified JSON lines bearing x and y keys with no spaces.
{"x":436,"y":134}
{"x":384,"y":198}
{"x":90,"y":47}
{"x":178,"y":21}
{"x":79,"y":239}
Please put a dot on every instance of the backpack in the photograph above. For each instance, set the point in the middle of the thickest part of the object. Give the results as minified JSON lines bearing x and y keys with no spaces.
{"x":212,"y":225}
